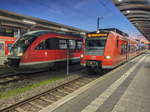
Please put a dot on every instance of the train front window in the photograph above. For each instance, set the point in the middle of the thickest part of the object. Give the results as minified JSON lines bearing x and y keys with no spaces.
{"x":95,"y":46}
{"x":9,"y":46}
{"x":22,"y":44}
{"x":1,"y":46}
{"x":95,"y":42}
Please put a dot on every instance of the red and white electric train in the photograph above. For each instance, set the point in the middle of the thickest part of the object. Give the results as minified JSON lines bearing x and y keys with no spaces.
{"x":43,"y":49}
{"x":106,"y":49}
{"x":5,"y":46}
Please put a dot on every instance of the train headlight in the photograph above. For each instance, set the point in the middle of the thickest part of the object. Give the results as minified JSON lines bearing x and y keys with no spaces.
{"x":81,"y":55}
{"x":108,"y":57}
{"x":20,"y":54}
{"x":9,"y":53}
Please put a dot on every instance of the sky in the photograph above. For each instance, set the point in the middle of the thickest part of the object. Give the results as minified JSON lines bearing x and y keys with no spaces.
{"x":77,"y":13}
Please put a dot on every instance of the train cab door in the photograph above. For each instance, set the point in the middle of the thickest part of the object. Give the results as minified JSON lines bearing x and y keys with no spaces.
{"x":2,"y":52}
{"x":39,"y":55}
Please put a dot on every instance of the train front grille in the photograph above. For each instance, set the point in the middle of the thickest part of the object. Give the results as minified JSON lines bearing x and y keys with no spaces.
{"x":93,"y":63}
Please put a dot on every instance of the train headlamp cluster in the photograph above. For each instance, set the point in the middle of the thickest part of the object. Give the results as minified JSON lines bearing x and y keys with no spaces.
{"x":108,"y":57}
{"x":9,"y":53}
{"x":81,"y":55}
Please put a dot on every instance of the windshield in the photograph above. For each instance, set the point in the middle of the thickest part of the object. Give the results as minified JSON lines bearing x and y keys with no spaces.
{"x":95,"y":42}
{"x":95,"y":46}
{"x":9,"y":46}
{"x":22,"y":44}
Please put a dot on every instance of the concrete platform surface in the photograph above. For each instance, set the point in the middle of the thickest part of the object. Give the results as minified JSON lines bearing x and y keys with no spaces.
{"x":124,"y":89}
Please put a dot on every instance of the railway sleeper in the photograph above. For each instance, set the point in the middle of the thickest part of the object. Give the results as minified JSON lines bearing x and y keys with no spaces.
{"x":69,"y":88}
{"x":36,"y":105}
{"x":56,"y":96}
{"x":46,"y":99}
{"x":80,"y":83}
{"x":18,"y":109}
{"x":63,"y":91}
{"x":74,"y":85}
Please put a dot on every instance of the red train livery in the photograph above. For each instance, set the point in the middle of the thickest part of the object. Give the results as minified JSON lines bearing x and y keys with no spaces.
{"x":5,"y":46}
{"x":43,"y":49}
{"x":106,"y":49}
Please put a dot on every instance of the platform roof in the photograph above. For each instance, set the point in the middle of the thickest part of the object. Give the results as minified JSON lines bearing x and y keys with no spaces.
{"x":27,"y":22}
{"x":138,"y":13}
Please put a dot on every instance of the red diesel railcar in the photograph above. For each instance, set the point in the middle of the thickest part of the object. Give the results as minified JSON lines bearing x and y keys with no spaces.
{"x":106,"y":49}
{"x":43,"y":49}
{"x":5,"y":46}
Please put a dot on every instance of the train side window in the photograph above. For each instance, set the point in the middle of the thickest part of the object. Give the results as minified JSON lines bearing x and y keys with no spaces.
{"x":1,"y":46}
{"x":41,"y":46}
{"x":52,"y":43}
{"x":72,"y":44}
{"x":79,"y":44}
{"x":62,"y":44}
{"x":123,"y":49}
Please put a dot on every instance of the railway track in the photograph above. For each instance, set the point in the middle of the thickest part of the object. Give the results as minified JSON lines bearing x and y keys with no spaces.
{"x":9,"y":78}
{"x":15,"y":76}
{"x":36,"y":103}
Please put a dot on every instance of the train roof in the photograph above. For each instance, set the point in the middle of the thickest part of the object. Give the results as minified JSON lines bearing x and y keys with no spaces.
{"x":110,"y":29}
{"x":41,"y":32}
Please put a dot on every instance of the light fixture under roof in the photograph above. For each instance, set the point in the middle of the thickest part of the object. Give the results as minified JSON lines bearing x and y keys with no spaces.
{"x":128,"y":11}
{"x":120,"y":0}
{"x":28,"y":21}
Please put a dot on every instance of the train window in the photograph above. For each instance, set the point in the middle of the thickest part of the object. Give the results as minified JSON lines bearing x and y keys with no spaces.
{"x":72,"y":44}
{"x":9,"y":46}
{"x":62,"y":44}
{"x":52,"y":43}
{"x":41,"y":46}
{"x":122,"y":49}
{"x":95,"y":42}
{"x":79,"y":44}
{"x":23,"y":43}
{"x":1,"y":46}
{"x":132,"y":48}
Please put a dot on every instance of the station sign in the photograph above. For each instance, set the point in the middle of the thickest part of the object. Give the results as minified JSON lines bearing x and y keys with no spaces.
{"x":97,"y":35}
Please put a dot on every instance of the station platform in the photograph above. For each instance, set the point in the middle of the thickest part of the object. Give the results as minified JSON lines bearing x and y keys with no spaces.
{"x":124,"y":89}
